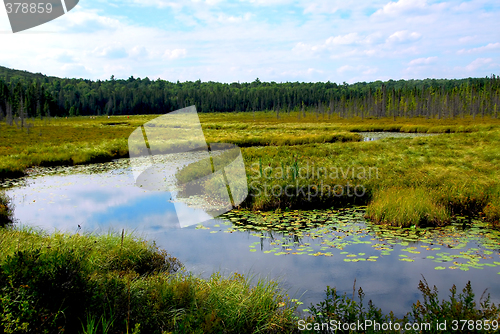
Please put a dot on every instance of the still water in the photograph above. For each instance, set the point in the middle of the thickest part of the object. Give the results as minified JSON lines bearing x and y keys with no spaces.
{"x":387,"y":264}
{"x":371,"y":136}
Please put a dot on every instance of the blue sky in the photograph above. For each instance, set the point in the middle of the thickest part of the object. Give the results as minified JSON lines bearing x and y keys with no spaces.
{"x":274,"y":40}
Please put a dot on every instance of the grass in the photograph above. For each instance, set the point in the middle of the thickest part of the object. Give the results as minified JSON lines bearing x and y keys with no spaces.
{"x":407,"y":207}
{"x":121,"y":284}
{"x":423,"y":180}
{"x":404,"y":182}
{"x":337,"y":310}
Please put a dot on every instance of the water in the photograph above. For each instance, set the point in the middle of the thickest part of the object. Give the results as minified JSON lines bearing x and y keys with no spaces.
{"x":371,"y":136}
{"x":305,"y":262}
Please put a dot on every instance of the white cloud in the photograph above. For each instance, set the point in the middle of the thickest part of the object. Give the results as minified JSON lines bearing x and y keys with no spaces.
{"x":174,"y":54}
{"x":422,"y":61}
{"x":270,"y":39}
{"x":111,"y":52}
{"x":490,"y":46}
{"x":159,"y":3}
{"x":403,"y":36}
{"x":343,"y":40}
{"x":401,"y":6}
{"x":269,"y":3}
{"x":361,"y":69}
{"x":466,"y":39}
{"x":138,"y":52}
{"x":310,"y":72}
{"x":223,"y":18}
{"x":478,"y":63}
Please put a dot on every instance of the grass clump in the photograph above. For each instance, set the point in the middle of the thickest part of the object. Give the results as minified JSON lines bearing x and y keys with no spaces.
{"x":121,"y":284}
{"x":453,"y":173}
{"x":338,"y":310}
{"x":406,"y":207}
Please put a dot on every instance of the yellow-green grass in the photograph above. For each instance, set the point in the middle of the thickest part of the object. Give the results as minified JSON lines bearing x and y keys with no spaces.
{"x":457,"y":170}
{"x":79,"y":140}
{"x":456,"y":173}
{"x":82,"y":283}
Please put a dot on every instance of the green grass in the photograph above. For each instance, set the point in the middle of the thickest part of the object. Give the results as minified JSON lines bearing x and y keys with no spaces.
{"x":407,"y":207}
{"x":424,"y":180}
{"x":118,"y":284}
{"x":417,"y":180}
{"x":340,"y":309}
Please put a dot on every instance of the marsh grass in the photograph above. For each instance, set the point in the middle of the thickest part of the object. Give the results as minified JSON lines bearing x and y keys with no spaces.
{"x":343,"y":309}
{"x":454,"y":173}
{"x":424,"y":179}
{"x":407,"y":207}
{"x":121,"y":284}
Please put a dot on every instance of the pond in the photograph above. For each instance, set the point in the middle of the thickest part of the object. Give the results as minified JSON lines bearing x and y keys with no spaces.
{"x":371,"y":136}
{"x":305,"y":250}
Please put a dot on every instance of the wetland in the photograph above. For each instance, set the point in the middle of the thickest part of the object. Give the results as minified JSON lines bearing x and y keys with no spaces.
{"x":430,"y":211}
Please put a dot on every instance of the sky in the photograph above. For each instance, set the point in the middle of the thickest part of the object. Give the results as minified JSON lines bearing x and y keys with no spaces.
{"x":273,"y":40}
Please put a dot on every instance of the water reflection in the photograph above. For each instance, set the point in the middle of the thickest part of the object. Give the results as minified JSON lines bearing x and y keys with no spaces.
{"x":371,"y":136}
{"x":110,"y":201}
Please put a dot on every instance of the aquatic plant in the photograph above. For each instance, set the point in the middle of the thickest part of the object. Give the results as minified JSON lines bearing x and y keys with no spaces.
{"x":466,"y":244}
{"x":437,"y":176}
{"x":459,"y":314}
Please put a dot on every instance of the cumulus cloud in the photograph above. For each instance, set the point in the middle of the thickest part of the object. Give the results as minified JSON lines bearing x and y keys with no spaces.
{"x":479,"y":62}
{"x":343,"y":40}
{"x":403,"y":36}
{"x":489,"y":47}
{"x":174,"y":54}
{"x":223,"y":18}
{"x":361,"y":69}
{"x":422,"y":61}
{"x":270,"y":39}
{"x":402,"y":6}
{"x":112,"y":52}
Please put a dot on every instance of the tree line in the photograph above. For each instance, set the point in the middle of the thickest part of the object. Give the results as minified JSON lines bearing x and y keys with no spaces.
{"x":26,"y":95}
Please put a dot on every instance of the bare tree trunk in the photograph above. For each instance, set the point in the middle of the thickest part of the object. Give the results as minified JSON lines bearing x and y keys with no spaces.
{"x":8,"y":111}
{"x":384,"y":100}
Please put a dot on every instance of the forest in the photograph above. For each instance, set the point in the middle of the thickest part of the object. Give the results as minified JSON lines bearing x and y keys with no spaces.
{"x":24,"y":94}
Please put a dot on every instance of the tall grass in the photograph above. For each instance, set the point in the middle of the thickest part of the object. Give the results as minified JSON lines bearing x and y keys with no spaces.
{"x":454,"y":173}
{"x":407,"y":207}
{"x":417,"y":180}
{"x":460,"y":313}
{"x":121,"y":284}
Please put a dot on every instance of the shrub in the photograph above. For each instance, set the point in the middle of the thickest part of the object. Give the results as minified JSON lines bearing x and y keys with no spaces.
{"x":342,"y":309}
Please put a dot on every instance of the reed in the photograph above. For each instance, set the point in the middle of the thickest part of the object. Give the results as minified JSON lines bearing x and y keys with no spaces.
{"x":451,"y":173}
